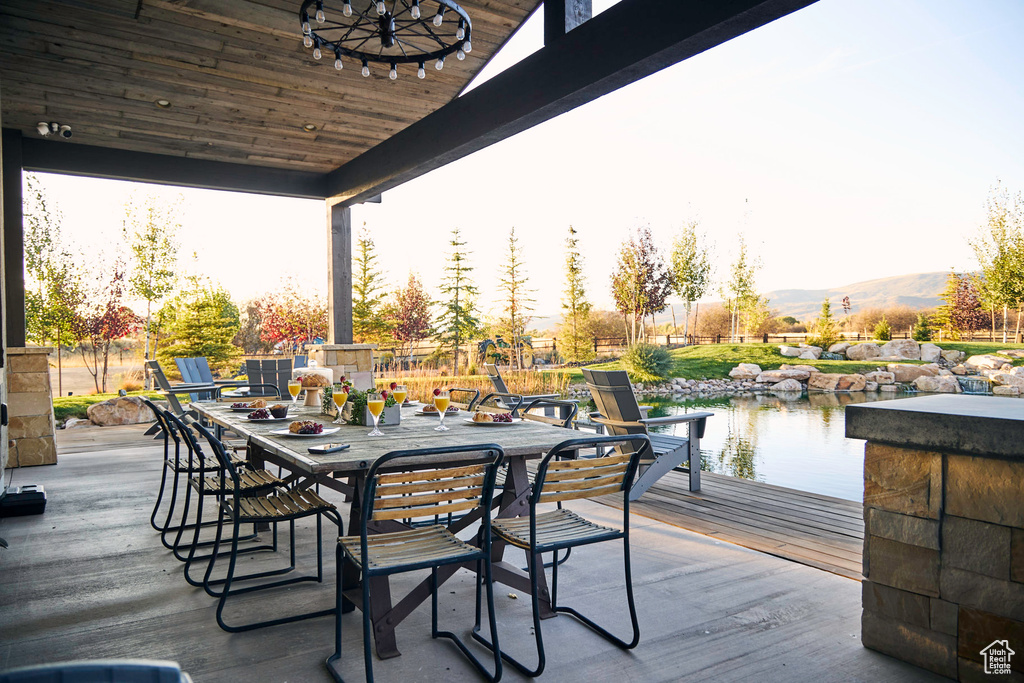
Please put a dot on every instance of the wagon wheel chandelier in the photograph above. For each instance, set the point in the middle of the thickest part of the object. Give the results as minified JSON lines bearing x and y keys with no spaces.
{"x":391,"y":32}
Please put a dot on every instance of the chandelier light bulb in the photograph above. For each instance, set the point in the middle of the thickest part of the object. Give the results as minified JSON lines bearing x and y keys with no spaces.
{"x":317,"y":54}
{"x":381,"y":8}
{"x":467,"y":46}
{"x":306,"y":28}
{"x":439,"y":64}
{"x":337,"y":64}
{"x":460,"y":32}
{"x":461,"y":55}
{"x":439,"y":17}
{"x":393,"y":74}
{"x":366,"y":69}
{"x":307,"y":41}
{"x":415,"y":10}
{"x":346,"y":9}
{"x":320,"y":16}
{"x":421,"y":72}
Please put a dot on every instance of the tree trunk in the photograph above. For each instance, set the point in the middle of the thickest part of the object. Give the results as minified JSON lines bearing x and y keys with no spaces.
{"x":1006,"y":320}
{"x":60,"y":369}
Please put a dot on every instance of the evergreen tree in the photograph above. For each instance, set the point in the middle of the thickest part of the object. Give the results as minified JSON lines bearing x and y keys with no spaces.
{"x":518,"y":303}
{"x":458,"y":321}
{"x":922,"y":330}
{"x":826,"y":329}
{"x":883,"y":331}
{"x":202,"y":321}
{"x":150,"y":228}
{"x":576,"y":335}
{"x":368,"y":325}
{"x":691,"y":269}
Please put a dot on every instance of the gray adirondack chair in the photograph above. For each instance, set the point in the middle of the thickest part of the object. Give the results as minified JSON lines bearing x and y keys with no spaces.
{"x":501,"y":388}
{"x":620,"y":415}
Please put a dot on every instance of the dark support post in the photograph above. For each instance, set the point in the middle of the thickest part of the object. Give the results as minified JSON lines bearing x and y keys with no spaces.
{"x":562,"y":16}
{"x":14,"y":240}
{"x":339,"y":274}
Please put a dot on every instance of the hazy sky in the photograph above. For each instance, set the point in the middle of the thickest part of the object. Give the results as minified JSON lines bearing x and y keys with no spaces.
{"x":848,"y":141}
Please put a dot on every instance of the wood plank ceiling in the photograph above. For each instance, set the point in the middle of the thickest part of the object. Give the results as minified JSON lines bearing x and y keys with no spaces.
{"x":240,"y":83}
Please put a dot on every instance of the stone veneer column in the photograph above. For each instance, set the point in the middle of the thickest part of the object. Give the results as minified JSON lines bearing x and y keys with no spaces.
{"x":944,"y":530}
{"x":30,"y":408}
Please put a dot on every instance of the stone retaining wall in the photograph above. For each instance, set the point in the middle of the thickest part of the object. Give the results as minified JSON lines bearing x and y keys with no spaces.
{"x":30,"y":408}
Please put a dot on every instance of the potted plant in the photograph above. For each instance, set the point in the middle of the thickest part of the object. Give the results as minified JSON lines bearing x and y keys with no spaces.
{"x":360,"y":415}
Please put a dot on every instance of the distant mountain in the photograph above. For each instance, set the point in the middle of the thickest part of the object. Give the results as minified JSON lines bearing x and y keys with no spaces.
{"x":920,"y":290}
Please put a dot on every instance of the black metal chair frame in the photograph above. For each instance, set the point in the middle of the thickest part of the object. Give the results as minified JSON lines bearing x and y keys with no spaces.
{"x":482,"y":557}
{"x":536,"y":550}
{"x":502,"y":401}
{"x":233,"y":511}
{"x":471,"y":402}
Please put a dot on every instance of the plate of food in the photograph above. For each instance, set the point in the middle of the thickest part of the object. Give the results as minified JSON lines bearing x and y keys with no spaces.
{"x":411,"y":404}
{"x":305,"y":428}
{"x":493,"y":419}
{"x":274,"y":413}
{"x":431,"y":410}
{"x":248,"y":406}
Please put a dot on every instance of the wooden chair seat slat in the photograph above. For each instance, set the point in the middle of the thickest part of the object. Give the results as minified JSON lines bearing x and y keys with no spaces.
{"x":393,"y":489}
{"x":593,"y":483}
{"x":431,"y":543}
{"x":428,"y":511}
{"x":575,"y":475}
{"x":555,"y":526}
{"x":576,"y":495}
{"x":418,"y":500}
{"x":429,"y":475}
{"x":280,"y":506}
{"x":586,"y":463}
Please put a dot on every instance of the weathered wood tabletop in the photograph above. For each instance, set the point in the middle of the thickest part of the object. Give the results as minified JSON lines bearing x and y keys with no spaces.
{"x":529,"y":439}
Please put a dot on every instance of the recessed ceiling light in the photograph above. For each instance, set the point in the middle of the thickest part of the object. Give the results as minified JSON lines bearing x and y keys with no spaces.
{"x":309,"y":127}
{"x":163,"y":104}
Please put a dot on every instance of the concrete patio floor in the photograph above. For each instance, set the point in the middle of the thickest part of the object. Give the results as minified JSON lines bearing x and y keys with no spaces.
{"x":89,"y":579}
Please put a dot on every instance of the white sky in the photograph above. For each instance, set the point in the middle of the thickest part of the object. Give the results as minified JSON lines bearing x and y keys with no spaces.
{"x":848,"y":141}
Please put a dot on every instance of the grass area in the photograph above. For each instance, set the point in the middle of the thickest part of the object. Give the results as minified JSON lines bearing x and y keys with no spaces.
{"x":711,"y":361}
{"x":75,"y":406}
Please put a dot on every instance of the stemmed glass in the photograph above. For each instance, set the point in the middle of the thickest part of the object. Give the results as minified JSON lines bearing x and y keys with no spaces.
{"x":375,"y":404}
{"x":400,"y":392}
{"x":294,"y":387}
{"x":441,"y":403}
{"x":339,"y":395}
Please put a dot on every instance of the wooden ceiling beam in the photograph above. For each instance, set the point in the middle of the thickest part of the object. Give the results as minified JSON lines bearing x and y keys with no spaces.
{"x":625,"y":43}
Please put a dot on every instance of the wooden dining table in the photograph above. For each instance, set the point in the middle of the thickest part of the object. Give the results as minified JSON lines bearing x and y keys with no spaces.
{"x":345,"y":471}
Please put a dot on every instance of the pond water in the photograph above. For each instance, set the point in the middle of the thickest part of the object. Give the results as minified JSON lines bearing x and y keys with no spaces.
{"x":794,"y":442}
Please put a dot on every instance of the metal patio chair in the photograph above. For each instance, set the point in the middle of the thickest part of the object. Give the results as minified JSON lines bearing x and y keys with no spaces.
{"x":491,"y":369}
{"x":560,"y":477}
{"x":619,"y":414}
{"x":457,"y":479}
{"x":273,"y":506}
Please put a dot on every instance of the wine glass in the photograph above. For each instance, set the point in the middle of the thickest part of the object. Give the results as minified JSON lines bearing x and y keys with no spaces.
{"x":375,"y":404}
{"x":441,"y":402}
{"x":294,"y":387}
{"x":340,"y":396}
{"x":400,"y":392}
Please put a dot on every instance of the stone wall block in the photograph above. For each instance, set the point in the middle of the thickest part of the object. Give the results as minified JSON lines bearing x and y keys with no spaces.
{"x":902,"y":480}
{"x":39,"y":451}
{"x":920,"y":646}
{"x":976,"y":591}
{"x":979,"y":628}
{"x":27,"y":362}
{"x":896,"y":604}
{"x":12,"y":453}
{"x":986,"y":489}
{"x":1017,"y":555}
{"x":28,"y":382}
{"x":907,"y":567}
{"x":20,"y":405}
{"x":943,"y":616}
{"x":26,"y":427}
{"x":903,"y":528}
{"x":976,"y":546}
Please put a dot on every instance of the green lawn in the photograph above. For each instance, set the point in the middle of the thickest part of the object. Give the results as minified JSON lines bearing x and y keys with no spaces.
{"x":710,"y":361}
{"x":75,"y":406}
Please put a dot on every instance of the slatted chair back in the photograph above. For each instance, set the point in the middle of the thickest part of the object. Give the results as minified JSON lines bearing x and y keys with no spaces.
{"x":492,"y":374}
{"x":560,"y":478}
{"x":227,"y":466}
{"x":203,"y":371}
{"x":300,"y":362}
{"x":158,"y":375}
{"x":268,"y":371}
{"x":614,"y":398}
{"x":568,"y":410}
{"x":189,"y":373}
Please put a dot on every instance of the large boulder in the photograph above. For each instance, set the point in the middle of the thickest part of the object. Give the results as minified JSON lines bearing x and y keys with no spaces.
{"x":808,"y":368}
{"x":831,"y":381}
{"x":1008,"y":380}
{"x":124,"y":410}
{"x":903,"y":349}
{"x":870,"y":386}
{"x":808,"y":352}
{"x":1019,"y":370}
{"x":953,"y":356}
{"x":986,"y":361}
{"x":788,"y":385}
{"x":790,"y":351}
{"x":908,"y":373}
{"x":1006,"y":391}
{"x":880,"y":376}
{"x":1013,"y":353}
{"x":865,"y":351}
{"x":839,"y":347}
{"x":930,"y":353}
{"x":745,"y":371}
{"x":938,"y":385}
{"x":779,"y":375}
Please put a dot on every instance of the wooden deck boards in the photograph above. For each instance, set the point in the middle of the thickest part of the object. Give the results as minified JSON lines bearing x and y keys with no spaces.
{"x":820,"y":531}
{"x":89,"y":579}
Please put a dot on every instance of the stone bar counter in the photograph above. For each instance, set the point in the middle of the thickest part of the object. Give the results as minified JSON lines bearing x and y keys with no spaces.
{"x":944,"y":532}
{"x":352,"y":360}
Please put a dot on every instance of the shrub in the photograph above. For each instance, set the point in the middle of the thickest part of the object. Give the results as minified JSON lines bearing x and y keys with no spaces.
{"x":826,"y":328}
{"x":882,"y":330}
{"x":647,"y":362}
{"x":922,"y":330}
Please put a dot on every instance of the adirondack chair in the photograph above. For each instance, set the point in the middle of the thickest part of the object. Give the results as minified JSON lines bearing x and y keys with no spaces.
{"x":501,"y":388}
{"x":169,"y":391}
{"x":619,"y":413}
{"x":197,"y":370}
{"x":273,"y":371}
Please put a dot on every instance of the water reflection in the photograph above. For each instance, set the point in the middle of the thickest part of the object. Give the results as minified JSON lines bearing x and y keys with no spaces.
{"x":789,"y":440}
